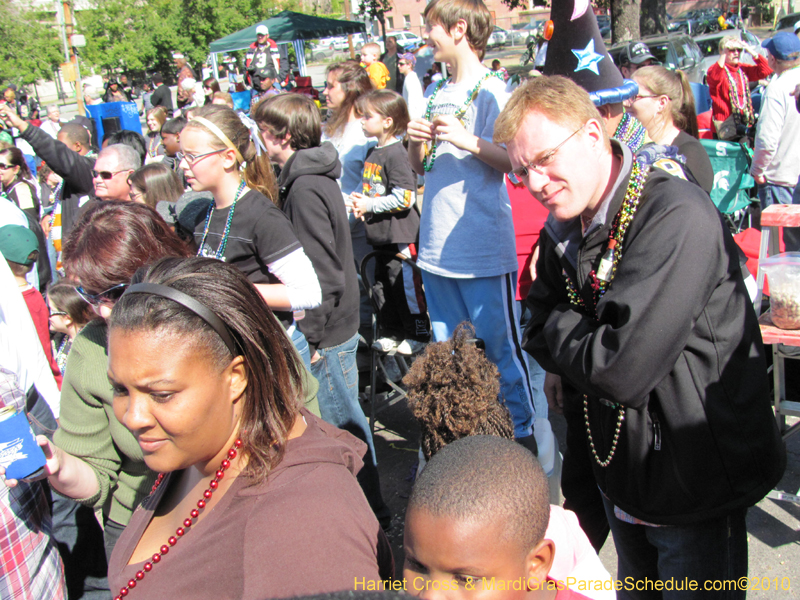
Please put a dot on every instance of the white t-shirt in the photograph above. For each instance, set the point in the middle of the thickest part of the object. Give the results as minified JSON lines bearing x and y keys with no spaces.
{"x":412,"y":94}
{"x":466,"y":229}
{"x":352,"y":146}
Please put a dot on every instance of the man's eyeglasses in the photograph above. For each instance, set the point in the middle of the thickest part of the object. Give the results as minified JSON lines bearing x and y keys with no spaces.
{"x":191,"y":159}
{"x":112,"y":294}
{"x":58,"y":313}
{"x":5,"y":167}
{"x":106,"y":175}
{"x":517,"y":175}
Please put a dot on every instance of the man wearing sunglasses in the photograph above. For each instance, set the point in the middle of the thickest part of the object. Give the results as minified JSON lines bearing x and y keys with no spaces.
{"x":114,"y":165}
{"x":643,"y":322}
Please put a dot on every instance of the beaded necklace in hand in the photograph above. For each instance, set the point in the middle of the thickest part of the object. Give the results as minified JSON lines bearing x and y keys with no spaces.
{"x":220,"y":253}
{"x":601,"y":279}
{"x":430,"y":150}
{"x":741,"y":104}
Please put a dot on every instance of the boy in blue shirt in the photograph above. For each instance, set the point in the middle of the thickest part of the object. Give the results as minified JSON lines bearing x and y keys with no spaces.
{"x":466,"y":246}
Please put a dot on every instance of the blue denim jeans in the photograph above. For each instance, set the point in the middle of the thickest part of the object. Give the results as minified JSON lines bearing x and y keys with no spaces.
{"x":708,"y":552}
{"x":337,"y":374}
{"x":301,"y":345}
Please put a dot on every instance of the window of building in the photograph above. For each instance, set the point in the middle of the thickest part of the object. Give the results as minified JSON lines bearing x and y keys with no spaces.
{"x":390,"y":22}
{"x":406,"y":20}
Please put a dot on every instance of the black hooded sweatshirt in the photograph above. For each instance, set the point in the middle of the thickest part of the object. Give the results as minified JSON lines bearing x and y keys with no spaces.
{"x":311,"y":198}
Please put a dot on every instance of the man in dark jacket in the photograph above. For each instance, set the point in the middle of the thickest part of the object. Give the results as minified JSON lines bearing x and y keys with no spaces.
{"x":67,"y":157}
{"x":641,"y":317}
{"x":162,"y":96}
{"x":311,"y":198}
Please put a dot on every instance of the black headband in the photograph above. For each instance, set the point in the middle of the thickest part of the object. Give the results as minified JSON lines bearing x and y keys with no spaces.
{"x":193,"y":305}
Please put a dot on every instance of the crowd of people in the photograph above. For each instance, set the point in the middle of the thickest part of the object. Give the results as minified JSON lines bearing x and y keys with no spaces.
{"x":185,"y":337}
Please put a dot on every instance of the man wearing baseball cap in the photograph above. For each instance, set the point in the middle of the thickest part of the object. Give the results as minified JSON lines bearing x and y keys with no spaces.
{"x":265,"y":62}
{"x":635,"y":56}
{"x":776,"y":160}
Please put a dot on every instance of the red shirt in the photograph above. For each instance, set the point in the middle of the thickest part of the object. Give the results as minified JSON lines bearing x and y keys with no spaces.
{"x":719,"y":88}
{"x":529,"y":216}
{"x":41,"y":320}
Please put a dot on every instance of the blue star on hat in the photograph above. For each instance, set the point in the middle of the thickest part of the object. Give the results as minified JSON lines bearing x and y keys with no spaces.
{"x":588,"y":58}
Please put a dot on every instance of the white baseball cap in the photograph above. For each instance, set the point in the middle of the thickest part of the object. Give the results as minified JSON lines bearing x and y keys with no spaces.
{"x":262,"y":30}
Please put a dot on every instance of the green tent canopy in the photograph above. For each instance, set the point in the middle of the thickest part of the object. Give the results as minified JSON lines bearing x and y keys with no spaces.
{"x":287,"y":26}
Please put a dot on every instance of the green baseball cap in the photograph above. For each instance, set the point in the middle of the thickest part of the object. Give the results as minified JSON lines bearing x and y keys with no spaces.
{"x":17,"y":243}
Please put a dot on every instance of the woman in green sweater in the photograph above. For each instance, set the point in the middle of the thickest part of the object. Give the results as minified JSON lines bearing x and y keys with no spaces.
{"x":94,"y":458}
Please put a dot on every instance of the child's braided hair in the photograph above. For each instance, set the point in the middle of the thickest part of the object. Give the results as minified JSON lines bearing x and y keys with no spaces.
{"x":453,"y":391}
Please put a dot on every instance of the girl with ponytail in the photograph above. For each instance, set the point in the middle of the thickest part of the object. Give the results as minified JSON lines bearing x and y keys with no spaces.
{"x":665,"y":106}
{"x":243,"y":226}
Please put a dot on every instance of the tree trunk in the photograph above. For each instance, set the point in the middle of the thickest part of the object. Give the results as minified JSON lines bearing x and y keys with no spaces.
{"x":624,"y":20}
{"x":653,"y":18}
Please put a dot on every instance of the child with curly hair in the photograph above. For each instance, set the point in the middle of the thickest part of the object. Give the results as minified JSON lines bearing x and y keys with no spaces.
{"x":453,"y":391}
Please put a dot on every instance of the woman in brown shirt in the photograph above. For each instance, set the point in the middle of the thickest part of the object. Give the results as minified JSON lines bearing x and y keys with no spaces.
{"x":257,"y":498}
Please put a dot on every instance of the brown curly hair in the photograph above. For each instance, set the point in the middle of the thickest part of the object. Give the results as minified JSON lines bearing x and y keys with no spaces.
{"x":453,"y":392}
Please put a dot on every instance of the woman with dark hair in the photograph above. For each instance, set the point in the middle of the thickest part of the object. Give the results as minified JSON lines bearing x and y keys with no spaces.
{"x":155,"y":183}
{"x":156,"y":117}
{"x":345,"y":83}
{"x":211,"y":388}
{"x":210,"y":87}
{"x":14,"y":177}
{"x":69,"y":313}
{"x":115,"y":93}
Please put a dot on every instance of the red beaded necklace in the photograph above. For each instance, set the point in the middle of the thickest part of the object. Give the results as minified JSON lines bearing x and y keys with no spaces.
{"x":180,"y":531}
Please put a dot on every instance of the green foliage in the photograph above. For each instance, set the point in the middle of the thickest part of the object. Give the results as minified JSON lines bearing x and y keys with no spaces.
{"x":141,"y":35}
{"x":29,"y":50}
{"x":375,"y":9}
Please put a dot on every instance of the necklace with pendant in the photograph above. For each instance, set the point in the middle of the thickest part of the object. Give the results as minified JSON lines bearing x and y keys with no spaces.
{"x":600,"y":281}
{"x":220,"y":252}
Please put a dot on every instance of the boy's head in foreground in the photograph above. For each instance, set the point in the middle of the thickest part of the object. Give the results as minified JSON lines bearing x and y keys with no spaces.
{"x":479,"y":510}
{"x":455,"y":27}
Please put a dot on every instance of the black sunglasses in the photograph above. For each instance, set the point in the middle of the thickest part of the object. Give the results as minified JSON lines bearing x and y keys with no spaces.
{"x":106,"y":174}
{"x":112,"y":294}
{"x":4,"y":166}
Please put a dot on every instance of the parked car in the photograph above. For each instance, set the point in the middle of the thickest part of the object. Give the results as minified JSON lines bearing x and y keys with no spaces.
{"x":604,"y":22}
{"x":498,"y":38}
{"x":520,"y":31}
{"x":672,"y":51}
{"x":709,"y":46}
{"x":406,"y":40}
{"x":320,"y":51}
{"x":788,"y":22}
{"x":338,"y":43}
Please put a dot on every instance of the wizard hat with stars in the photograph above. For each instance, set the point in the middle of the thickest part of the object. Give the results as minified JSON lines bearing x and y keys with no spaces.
{"x":576,"y":50}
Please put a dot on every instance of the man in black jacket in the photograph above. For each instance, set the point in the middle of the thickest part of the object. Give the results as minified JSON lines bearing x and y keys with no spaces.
{"x":641,"y":317}
{"x":67,"y":157}
{"x":162,"y":96}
